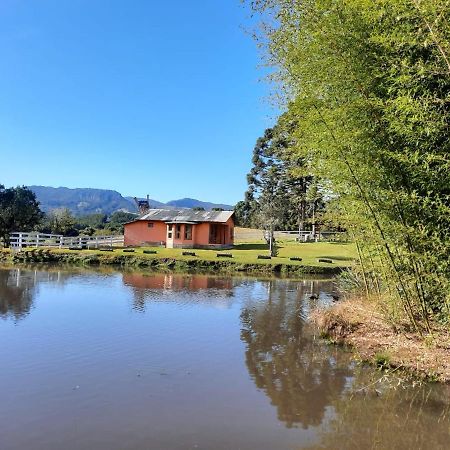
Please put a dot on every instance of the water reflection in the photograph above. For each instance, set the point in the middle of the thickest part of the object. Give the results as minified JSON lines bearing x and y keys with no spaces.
{"x":148,"y":287}
{"x":20,"y":286}
{"x":176,"y":282}
{"x":180,"y":368}
{"x":382,"y":415}
{"x":17,"y":290}
{"x":299,"y":376}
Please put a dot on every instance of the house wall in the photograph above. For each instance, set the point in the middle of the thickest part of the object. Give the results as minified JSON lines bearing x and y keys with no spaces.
{"x":201,"y":234}
{"x":138,"y":233}
{"x":202,"y":230}
{"x":181,"y":242}
{"x":230,"y":238}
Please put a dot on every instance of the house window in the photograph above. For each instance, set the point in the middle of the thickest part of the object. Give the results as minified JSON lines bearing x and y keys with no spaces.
{"x":169,"y":231}
{"x":178,"y":232}
{"x":188,"y":232}
{"x":150,"y":224}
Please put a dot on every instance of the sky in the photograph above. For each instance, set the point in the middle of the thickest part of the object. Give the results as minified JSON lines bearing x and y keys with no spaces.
{"x":138,"y":96}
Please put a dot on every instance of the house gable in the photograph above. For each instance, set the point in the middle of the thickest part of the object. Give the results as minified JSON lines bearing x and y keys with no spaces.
{"x":182,"y":228}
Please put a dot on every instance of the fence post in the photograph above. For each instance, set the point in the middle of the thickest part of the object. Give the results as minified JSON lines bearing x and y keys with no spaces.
{"x":37,"y":239}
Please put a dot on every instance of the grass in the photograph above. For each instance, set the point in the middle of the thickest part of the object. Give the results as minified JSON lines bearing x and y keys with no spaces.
{"x":382,"y":360}
{"x":361,"y":324}
{"x":342,"y":254}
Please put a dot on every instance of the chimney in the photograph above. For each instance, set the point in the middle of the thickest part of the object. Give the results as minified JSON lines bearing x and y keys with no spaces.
{"x":143,"y":205}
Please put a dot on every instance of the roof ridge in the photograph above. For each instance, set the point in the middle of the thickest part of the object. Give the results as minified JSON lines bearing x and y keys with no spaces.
{"x":174,"y":215}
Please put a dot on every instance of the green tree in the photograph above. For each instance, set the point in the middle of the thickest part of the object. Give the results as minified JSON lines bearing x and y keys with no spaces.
{"x":266,"y":187}
{"x":96,"y":221}
{"x":118,"y":219}
{"x":244,"y":212}
{"x":367,"y":83}
{"x":19,"y":211}
{"x":277,"y":183}
{"x":60,"y":221}
{"x":314,"y":199}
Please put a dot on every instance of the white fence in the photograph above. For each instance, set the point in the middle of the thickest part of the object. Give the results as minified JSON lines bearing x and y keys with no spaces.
{"x":33,"y":239}
{"x":244,"y":235}
{"x":307,"y":236}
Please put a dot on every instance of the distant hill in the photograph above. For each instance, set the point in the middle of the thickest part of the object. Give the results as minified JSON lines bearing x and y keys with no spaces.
{"x":153,"y":203}
{"x":82,"y":201}
{"x":193,"y":203}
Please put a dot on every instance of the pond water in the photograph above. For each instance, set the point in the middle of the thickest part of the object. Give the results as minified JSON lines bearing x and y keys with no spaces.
{"x":129,"y":360}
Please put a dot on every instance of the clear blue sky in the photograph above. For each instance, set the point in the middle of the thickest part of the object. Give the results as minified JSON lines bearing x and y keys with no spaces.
{"x":139,"y":96}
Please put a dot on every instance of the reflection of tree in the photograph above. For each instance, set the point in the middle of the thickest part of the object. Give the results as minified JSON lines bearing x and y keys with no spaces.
{"x":16,"y":297}
{"x":393,"y":418}
{"x":281,"y":357}
{"x":18,"y":288}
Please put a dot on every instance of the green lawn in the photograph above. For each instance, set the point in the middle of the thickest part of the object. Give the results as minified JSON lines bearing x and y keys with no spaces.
{"x":342,"y":254}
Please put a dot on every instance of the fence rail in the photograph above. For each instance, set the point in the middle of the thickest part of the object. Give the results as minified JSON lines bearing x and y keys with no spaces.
{"x":33,"y":239}
{"x":302,"y":236}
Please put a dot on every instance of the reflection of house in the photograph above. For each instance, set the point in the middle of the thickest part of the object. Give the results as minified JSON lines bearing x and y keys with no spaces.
{"x":176,"y":282}
{"x":182,"y":228}
{"x":196,"y":289}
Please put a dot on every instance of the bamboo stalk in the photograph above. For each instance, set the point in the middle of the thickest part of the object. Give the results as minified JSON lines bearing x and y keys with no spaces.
{"x":372,"y":212}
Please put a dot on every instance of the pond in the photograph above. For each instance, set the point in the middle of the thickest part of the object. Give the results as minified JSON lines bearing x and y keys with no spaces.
{"x":133,"y":360}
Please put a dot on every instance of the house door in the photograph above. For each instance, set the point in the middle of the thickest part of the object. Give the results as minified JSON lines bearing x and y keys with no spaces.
{"x":169,"y":238}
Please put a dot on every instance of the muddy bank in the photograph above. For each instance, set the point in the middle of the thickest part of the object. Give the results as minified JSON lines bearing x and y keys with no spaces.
{"x":365,"y":330}
{"x":95,"y":258}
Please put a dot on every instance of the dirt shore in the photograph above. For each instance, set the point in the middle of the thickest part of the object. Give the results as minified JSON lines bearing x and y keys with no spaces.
{"x":360,"y":325}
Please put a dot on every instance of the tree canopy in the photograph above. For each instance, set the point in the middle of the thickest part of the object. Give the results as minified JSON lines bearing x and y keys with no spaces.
{"x":278,"y":183}
{"x":367,"y":84}
{"x":19,"y":211}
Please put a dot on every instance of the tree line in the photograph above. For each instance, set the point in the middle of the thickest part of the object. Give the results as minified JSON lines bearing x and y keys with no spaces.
{"x":365,"y":85}
{"x":20,"y":211}
{"x":282,"y":194}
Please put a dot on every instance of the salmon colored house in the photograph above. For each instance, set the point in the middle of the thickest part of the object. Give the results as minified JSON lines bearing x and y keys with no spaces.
{"x":173,"y":228}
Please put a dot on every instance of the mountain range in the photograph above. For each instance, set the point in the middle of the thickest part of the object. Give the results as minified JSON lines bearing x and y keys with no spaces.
{"x":82,"y":201}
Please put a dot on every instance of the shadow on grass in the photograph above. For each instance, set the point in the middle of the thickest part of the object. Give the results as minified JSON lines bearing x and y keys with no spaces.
{"x":339,"y":258}
{"x":256,"y":246}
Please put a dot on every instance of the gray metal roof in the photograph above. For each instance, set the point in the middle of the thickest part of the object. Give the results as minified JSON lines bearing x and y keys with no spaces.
{"x":186,"y":215}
